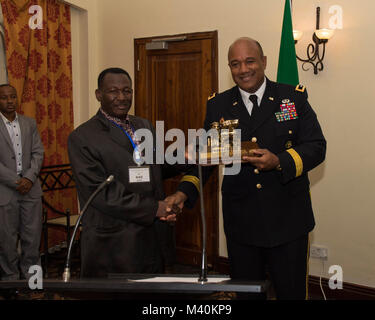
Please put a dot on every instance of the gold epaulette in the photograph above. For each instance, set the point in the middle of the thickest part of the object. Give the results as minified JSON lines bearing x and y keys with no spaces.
{"x":300,"y":88}
{"x":212,"y":96}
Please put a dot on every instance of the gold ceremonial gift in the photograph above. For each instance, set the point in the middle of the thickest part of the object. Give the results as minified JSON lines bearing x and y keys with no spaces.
{"x":224,"y":144}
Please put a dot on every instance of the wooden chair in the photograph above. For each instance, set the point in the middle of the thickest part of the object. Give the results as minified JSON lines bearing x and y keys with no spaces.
{"x":53,"y":179}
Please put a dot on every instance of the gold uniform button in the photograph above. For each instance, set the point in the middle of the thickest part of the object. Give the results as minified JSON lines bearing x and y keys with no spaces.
{"x":256,"y":171}
{"x":259,"y":186}
{"x":254,"y":139}
{"x":290,"y":132}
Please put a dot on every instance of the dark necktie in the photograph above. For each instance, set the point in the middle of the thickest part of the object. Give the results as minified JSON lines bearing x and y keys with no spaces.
{"x":254,"y":99}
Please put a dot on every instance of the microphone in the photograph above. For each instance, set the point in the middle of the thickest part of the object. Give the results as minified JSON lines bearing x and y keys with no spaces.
{"x":66,"y":274}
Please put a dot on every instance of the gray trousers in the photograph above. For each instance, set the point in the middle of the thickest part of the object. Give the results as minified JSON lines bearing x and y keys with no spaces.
{"x":20,"y":219}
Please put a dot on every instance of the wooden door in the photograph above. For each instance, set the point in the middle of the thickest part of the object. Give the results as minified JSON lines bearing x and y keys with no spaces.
{"x":172,"y":83}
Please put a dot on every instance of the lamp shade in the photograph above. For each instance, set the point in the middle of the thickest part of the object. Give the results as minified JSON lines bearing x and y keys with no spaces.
{"x":297,"y":35}
{"x":324,"y":34}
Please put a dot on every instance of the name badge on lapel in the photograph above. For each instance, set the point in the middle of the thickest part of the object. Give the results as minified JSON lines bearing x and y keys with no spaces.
{"x":139,"y":174}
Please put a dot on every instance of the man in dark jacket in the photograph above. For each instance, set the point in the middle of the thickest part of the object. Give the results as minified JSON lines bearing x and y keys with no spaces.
{"x":267,"y":206}
{"x":122,"y":227}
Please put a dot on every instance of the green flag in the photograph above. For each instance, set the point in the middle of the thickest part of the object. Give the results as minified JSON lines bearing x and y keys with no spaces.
{"x":287,"y":71}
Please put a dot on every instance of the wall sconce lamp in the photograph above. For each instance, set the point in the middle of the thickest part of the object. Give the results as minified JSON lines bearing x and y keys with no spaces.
{"x":320,"y":38}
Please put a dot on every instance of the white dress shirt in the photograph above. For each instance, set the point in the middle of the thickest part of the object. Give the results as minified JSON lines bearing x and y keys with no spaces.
{"x":14,"y":131}
{"x":259,"y":93}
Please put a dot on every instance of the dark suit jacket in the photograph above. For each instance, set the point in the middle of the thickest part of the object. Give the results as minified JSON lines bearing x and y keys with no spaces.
{"x":119,"y":227}
{"x":279,"y":211}
{"x":32,"y":159}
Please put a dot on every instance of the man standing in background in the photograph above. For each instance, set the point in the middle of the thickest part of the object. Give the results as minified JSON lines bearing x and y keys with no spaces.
{"x":21,"y":159}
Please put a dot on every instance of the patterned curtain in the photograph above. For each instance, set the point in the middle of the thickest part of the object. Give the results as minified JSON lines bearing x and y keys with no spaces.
{"x":39,"y":63}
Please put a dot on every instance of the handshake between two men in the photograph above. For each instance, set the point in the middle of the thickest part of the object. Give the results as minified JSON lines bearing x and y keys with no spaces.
{"x":171,"y":206}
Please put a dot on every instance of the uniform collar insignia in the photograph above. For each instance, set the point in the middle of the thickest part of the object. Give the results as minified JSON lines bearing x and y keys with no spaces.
{"x":212,"y":96}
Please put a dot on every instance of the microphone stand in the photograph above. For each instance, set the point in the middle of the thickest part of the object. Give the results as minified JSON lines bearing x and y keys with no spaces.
{"x":203,"y":274}
{"x":66,"y":274}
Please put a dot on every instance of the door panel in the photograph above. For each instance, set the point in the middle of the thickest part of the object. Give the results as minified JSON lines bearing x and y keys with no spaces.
{"x":172,"y":85}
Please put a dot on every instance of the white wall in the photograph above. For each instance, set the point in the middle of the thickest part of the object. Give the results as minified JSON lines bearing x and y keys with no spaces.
{"x":342,"y":188}
{"x":85,"y":50}
{"x":342,"y":94}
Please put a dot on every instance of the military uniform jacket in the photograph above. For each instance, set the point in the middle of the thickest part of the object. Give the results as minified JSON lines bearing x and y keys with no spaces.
{"x":119,"y":228}
{"x":268,"y":208}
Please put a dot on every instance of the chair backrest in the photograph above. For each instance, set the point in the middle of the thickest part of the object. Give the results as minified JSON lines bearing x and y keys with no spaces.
{"x":57,"y":177}
{"x":58,"y":186}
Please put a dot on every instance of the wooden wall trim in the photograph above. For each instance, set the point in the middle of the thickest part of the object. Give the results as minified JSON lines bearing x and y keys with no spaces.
{"x":350,"y":291}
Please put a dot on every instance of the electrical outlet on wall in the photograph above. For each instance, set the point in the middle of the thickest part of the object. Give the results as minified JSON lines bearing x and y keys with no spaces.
{"x":319,"y":252}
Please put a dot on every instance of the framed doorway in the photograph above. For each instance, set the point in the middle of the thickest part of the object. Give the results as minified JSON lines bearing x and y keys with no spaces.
{"x":174,"y":76}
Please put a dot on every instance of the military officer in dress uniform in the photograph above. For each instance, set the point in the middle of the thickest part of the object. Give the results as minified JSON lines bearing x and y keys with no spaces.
{"x":267,"y":206}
